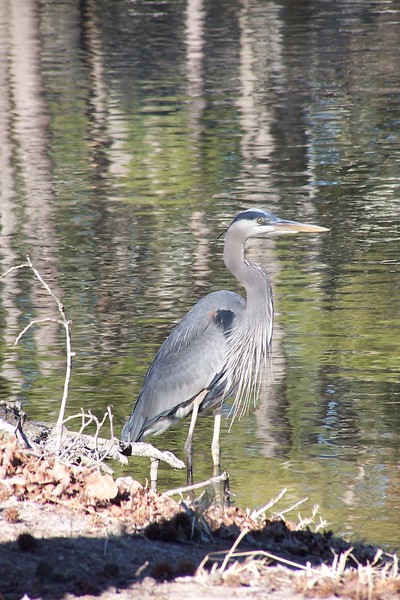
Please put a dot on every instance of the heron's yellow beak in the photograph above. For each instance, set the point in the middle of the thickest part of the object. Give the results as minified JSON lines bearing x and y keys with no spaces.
{"x":282,"y":226}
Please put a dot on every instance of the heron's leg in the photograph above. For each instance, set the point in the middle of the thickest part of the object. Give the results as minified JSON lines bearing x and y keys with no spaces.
{"x":189,"y":440}
{"x":221,"y":489}
{"x":154,"y":462}
{"x":189,"y":444}
{"x":215,"y":445}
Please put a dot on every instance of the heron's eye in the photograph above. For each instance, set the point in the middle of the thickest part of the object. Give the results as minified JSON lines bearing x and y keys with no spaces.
{"x":260,"y":221}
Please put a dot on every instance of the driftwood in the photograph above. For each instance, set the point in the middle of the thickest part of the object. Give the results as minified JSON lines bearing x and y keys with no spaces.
{"x":76,"y":447}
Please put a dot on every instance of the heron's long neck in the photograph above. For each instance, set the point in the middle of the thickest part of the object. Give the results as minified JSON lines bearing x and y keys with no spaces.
{"x":253,"y":278}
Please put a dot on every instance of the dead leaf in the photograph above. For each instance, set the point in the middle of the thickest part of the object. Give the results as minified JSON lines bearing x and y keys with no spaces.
{"x":15,"y":480}
{"x":128,"y":485}
{"x":59,"y":490}
{"x":61,"y":473}
{"x":100,"y":487}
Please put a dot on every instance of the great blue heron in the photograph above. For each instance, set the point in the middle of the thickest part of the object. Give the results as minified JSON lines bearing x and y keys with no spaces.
{"x":220,"y":347}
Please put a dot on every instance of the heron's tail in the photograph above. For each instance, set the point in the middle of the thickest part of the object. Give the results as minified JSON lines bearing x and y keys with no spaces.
{"x":132,"y":429}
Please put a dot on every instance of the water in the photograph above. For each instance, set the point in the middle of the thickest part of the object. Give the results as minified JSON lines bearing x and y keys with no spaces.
{"x":132,"y":132}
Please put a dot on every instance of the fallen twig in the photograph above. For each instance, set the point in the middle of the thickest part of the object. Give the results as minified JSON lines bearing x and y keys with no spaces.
{"x":149,"y":451}
{"x":257,"y":513}
{"x":196,"y":486}
{"x":233,"y":548}
{"x":287,"y":510}
{"x":254,"y":553}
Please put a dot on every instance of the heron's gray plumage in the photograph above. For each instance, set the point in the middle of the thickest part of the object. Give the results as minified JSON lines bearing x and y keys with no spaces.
{"x":198,"y":345}
{"x":220,"y":348}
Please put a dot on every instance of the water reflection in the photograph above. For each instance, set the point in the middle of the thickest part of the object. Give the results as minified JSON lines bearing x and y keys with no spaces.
{"x":131,"y":134}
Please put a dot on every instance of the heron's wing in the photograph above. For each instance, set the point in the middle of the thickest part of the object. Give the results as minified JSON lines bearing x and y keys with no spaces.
{"x":187,"y":362}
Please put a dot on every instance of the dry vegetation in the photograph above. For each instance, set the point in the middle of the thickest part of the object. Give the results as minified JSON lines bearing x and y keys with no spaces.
{"x":71,"y":531}
{"x":68,"y":528}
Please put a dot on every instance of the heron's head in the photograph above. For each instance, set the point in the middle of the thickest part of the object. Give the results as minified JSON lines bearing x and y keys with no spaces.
{"x":255,"y":222}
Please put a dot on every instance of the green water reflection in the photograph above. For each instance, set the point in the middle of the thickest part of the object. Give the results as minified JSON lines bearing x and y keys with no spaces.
{"x":131,"y":134}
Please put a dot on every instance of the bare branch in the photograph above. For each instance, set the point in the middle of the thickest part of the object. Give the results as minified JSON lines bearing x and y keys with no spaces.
{"x":16,"y":268}
{"x":149,"y":451}
{"x":231,"y":552}
{"x":99,"y":425}
{"x":196,"y":486}
{"x":42,"y":281}
{"x":66,"y":324}
{"x":75,"y":442}
{"x":257,"y":513}
{"x":35,"y":322}
{"x":110,"y":416}
{"x":7,"y":427}
{"x":295,"y":505}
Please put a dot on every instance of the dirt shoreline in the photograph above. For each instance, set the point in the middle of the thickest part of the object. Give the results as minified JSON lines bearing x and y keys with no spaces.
{"x":68,"y":532}
{"x":70,"y":555}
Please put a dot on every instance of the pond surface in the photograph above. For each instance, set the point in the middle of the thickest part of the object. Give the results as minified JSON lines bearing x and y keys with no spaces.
{"x":132,"y":133}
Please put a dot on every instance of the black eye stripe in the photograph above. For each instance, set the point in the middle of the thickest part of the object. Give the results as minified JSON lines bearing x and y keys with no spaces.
{"x":251,"y":215}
